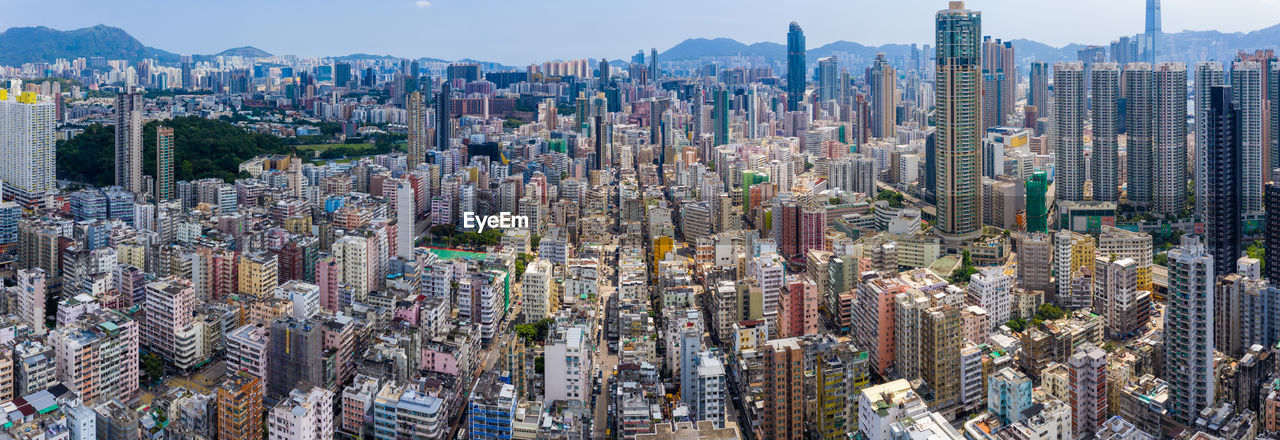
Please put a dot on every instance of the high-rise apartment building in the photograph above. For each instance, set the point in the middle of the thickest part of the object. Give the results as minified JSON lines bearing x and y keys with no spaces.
{"x":129,"y":122}
{"x":795,"y":67}
{"x":29,"y":298}
{"x":1140,"y":97}
{"x":942,"y":334}
{"x":240,"y":407}
{"x":884,"y":95}
{"x":168,"y":327}
{"x":1248,"y":95}
{"x":1000,"y":81}
{"x":958,"y":91}
{"x":97,"y":355}
{"x":1123,"y":243}
{"x":416,"y":121}
{"x":27,"y":143}
{"x":1169,"y":139}
{"x":1088,"y":384}
{"x":1067,"y":136}
{"x":294,"y":355}
{"x":1105,"y":159}
{"x":783,"y":366}
{"x":302,"y":415}
{"x":1188,"y":325}
{"x":1038,"y":90}
{"x":1208,"y":75}
{"x":1224,"y":160}
{"x":164,"y":163}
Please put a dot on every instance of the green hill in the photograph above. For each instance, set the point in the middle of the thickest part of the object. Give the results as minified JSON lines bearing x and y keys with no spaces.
{"x":203,"y":148}
{"x":20,"y":45}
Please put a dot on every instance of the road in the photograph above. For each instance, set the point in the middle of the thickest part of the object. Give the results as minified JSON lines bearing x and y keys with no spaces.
{"x":605,"y":362}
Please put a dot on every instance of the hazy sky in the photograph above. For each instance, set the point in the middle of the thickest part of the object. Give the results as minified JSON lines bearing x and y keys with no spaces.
{"x":524,"y":31}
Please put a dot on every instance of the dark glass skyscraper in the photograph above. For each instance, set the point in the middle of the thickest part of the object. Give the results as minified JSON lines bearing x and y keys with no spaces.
{"x":444,"y":107}
{"x":795,"y":66}
{"x":1272,"y":201}
{"x":1151,"y":38}
{"x":1223,"y":156}
{"x":721,"y":116}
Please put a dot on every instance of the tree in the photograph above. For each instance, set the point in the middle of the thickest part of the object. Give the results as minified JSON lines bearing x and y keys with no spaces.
{"x":1161,"y":259}
{"x":534,"y":239}
{"x":202,"y":148}
{"x":1017,"y":325}
{"x":893,"y":197}
{"x":153,"y":366}
{"x":539,"y":365}
{"x":526,"y":332}
{"x":1257,"y":251}
{"x":1049,"y":312}
{"x":965,"y":271}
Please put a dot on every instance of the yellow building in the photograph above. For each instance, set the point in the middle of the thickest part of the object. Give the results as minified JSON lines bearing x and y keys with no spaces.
{"x":258,"y":274}
{"x":661,"y":246}
{"x":132,"y":254}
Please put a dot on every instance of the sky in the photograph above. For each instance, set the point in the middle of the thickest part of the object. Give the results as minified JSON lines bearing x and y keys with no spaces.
{"x":518,"y":32}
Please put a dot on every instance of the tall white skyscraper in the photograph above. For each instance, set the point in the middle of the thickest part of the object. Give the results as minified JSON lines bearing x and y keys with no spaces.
{"x":1105,"y":160}
{"x":1246,"y":91}
{"x":1169,"y":139}
{"x":1188,"y":331}
{"x":1069,"y":111}
{"x":1139,"y":104}
{"x":1207,"y":75}
{"x":129,"y":142}
{"x":28,"y":145}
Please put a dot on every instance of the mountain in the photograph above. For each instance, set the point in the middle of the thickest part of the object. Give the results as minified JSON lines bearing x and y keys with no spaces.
{"x":244,"y":51}
{"x":1184,"y":46}
{"x":695,"y":48}
{"x":21,"y":45}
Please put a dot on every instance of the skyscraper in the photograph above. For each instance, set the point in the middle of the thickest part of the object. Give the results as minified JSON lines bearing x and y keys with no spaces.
{"x":28,"y":145}
{"x":1224,"y":157}
{"x":1248,"y":95}
{"x":1169,"y":139}
{"x":1208,"y":75}
{"x":1105,"y":168}
{"x":416,"y":120}
{"x":1000,"y":80}
{"x":444,"y":110}
{"x":884,"y":84}
{"x":795,"y":66}
{"x":1152,"y":37}
{"x":1188,"y":317}
{"x":827,"y":78}
{"x":1272,"y":233}
{"x":164,"y":163}
{"x":653,"y":65}
{"x":604,"y":72}
{"x":958,"y":92}
{"x":1038,"y":92}
{"x":721,"y":116}
{"x":1069,"y":113}
{"x":188,"y":80}
{"x":1139,"y":89}
{"x":129,"y":142}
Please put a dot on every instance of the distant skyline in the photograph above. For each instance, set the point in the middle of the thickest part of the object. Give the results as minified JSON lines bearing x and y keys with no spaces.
{"x":523,"y":32}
